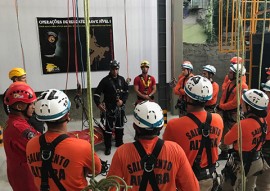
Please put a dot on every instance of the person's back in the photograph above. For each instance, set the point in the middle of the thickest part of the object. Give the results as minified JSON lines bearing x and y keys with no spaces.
{"x":199,"y":132}
{"x":71,"y":161}
{"x":253,"y":135}
{"x":167,"y":169}
{"x":54,"y":151}
{"x":172,"y":168}
{"x":190,"y":142}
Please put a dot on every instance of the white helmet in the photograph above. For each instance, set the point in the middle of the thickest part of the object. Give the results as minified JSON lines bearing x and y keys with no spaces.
{"x":52,"y":105}
{"x":256,"y":99}
{"x":240,"y":67}
{"x":266,"y":86}
{"x":187,"y":65}
{"x":148,"y":115}
{"x":210,"y":68}
{"x":199,"y":88}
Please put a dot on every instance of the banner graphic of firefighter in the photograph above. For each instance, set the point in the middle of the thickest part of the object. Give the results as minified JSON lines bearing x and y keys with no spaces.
{"x":59,"y":37}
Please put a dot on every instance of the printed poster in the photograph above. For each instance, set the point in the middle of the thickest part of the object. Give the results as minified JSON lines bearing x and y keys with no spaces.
{"x":60,"y":37}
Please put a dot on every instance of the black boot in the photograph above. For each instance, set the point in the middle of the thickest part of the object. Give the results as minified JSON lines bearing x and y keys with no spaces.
{"x":119,"y":136}
{"x":107,"y":151}
{"x":223,"y":155}
{"x":107,"y":142}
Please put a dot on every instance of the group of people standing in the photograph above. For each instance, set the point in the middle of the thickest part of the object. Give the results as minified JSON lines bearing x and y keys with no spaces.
{"x":198,"y":103}
{"x":186,"y":157}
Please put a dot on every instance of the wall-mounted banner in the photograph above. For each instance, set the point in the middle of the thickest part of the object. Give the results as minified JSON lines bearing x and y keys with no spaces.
{"x":60,"y":37}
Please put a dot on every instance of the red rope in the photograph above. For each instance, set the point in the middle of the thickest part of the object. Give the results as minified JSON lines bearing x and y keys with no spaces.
{"x":68,"y":61}
{"x":75,"y":38}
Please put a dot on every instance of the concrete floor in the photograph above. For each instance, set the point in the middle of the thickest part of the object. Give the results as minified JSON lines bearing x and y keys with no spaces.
{"x":76,"y":125}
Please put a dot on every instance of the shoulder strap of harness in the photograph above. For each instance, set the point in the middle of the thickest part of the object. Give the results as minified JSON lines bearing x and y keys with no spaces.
{"x":204,"y":129}
{"x":47,"y":152}
{"x":228,"y":93}
{"x":148,"y":163}
{"x":262,"y":139}
{"x":263,"y":130}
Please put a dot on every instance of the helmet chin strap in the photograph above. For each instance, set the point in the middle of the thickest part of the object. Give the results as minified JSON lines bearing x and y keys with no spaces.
{"x":188,"y":73}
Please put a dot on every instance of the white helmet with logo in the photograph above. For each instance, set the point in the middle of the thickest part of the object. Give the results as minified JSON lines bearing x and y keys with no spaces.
{"x":210,"y":68}
{"x":187,"y":65}
{"x":199,"y":88}
{"x":238,"y":67}
{"x":148,"y":115}
{"x":52,"y":105}
{"x":266,"y":86}
{"x":256,"y":99}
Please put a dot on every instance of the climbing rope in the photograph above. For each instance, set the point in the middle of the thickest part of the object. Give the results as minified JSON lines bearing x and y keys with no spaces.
{"x":112,"y":181}
{"x":240,"y":36}
{"x":19,"y":31}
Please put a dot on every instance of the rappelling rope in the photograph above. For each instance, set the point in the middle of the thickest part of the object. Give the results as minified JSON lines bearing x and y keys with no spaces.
{"x":240,"y":36}
{"x":125,"y":9}
{"x":112,"y":181}
{"x":19,"y":31}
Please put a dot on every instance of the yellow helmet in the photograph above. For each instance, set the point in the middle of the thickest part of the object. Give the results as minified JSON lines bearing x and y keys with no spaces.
{"x":145,"y":63}
{"x":16,"y":72}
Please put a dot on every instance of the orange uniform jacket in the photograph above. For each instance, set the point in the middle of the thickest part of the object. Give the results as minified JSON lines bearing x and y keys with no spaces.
{"x":232,"y":100}
{"x":213,"y":101}
{"x":72,"y":156}
{"x":179,"y":88}
{"x":184,"y":131}
{"x":227,"y":80}
{"x":172,"y":169}
{"x":251,"y":132}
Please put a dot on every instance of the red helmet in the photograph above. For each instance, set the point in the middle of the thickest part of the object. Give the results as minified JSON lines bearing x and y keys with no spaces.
{"x":236,"y":60}
{"x":19,"y":92}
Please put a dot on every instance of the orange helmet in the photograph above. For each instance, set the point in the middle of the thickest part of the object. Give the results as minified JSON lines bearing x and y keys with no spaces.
{"x":16,"y":72}
{"x":236,"y":60}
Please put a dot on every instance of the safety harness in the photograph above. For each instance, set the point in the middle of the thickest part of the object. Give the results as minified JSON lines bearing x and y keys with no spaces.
{"x":249,"y":157}
{"x":47,"y":153}
{"x":148,"y":163}
{"x":146,"y":85}
{"x":204,"y":130}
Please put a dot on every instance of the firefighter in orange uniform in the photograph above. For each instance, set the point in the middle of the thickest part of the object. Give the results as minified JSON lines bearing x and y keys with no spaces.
{"x":187,"y":69}
{"x":199,"y":132}
{"x":227,"y":107}
{"x":144,"y":84}
{"x":151,"y":163}
{"x":254,"y":130}
{"x":263,"y":182}
{"x":234,"y":60}
{"x":54,"y":152}
{"x":209,"y":71}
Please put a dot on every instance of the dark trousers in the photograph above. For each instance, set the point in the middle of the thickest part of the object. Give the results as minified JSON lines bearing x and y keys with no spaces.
{"x":114,"y":122}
